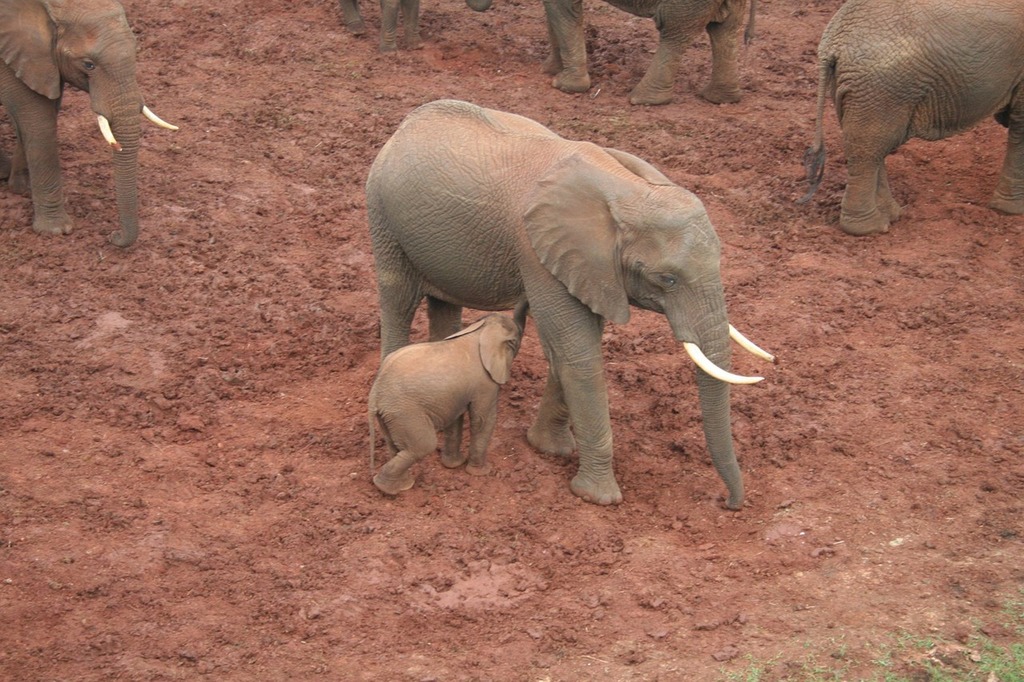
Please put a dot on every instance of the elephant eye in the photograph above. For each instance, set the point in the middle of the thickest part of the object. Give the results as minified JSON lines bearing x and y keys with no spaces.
{"x":89,"y":64}
{"x":666,"y":280}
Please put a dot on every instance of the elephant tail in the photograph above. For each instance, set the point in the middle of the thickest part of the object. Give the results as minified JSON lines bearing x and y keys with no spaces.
{"x":814,"y":157}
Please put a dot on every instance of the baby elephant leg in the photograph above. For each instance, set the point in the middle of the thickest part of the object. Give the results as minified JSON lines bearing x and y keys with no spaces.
{"x":413,"y":440}
{"x":482,"y":419}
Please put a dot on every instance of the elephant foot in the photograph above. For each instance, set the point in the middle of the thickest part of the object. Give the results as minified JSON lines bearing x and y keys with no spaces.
{"x":393,"y":485}
{"x":552,"y":65}
{"x":390,"y":46}
{"x":19,"y":183}
{"x":356,"y":28}
{"x":60,"y":224}
{"x":481,"y":469}
{"x":413,"y":42}
{"x":873,"y":223}
{"x":1008,"y":206}
{"x":603,"y":491}
{"x":721,"y":94}
{"x":645,"y":95}
{"x":572,"y":80}
{"x":552,"y":442}
{"x":453,"y":459}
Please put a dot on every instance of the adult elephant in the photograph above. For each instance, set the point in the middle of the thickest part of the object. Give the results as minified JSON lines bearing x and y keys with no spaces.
{"x":917,"y":68}
{"x":480,"y":208}
{"x":677,"y":21}
{"x":88,"y":44}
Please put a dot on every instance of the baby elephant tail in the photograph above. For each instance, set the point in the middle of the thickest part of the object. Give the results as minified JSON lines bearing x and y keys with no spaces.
{"x":814,"y":157}
{"x":372,"y":417}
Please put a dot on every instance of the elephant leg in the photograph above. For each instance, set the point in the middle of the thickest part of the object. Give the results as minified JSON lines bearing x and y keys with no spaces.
{"x":352,"y":18}
{"x":887,"y":204}
{"x":725,"y":80}
{"x":568,"y":45}
{"x":36,"y":151}
{"x":657,"y":84}
{"x":482,"y":418}
{"x":414,"y":439}
{"x":399,"y":291}
{"x":5,"y":166}
{"x":866,"y":146}
{"x":388,"y":25}
{"x":551,"y":432}
{"x":1009,"y":194}
{"x":17,"y":175}
{"x":411,"y":23}
{"x":444,"y":320}
{"x":576,"y":394}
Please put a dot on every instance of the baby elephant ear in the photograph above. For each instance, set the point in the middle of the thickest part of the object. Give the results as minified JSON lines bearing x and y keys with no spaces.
{"x":499,"y":341}
{"x":468,"y":330}
{"x":574,"y":234}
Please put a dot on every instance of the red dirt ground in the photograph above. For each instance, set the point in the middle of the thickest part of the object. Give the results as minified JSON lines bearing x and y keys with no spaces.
{"x":184,"y":485}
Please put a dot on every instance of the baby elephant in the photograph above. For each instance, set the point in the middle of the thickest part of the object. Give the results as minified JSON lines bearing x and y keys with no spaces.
{"x":426,"y":387}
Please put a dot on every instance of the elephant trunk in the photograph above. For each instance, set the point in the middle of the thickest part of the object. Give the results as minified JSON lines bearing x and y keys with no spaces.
{"x":703,"y":321}
{"x":127,"y":130}
{"x":479,"y":5}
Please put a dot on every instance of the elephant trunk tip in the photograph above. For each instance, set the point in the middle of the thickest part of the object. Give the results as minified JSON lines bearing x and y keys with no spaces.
{"x":123,"y":239}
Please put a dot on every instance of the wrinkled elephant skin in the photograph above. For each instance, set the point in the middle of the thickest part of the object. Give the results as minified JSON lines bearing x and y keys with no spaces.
{"x":480,"y":208}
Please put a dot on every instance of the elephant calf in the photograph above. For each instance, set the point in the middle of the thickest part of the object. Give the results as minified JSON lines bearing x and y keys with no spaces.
{"x":917,"y":68}
{"x":426,"y":387}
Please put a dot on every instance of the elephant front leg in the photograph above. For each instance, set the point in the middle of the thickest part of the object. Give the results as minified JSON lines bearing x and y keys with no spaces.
{"x":550,"y":432}
{"x":587,"y":399}
{"x":482,"y":419}
{"x":567,"y":61}
{"x":444,"y":319}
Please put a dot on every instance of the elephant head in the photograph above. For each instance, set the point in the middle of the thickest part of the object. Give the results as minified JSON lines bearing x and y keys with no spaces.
{"x":614,"y":242}
{"x":498,"y":343}
{"x":88,"y":44}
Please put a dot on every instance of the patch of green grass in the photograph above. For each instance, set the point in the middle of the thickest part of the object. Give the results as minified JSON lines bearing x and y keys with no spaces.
{"x":907,"y":657}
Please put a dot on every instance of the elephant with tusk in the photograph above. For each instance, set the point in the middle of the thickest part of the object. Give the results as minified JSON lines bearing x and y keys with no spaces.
{"x":45,"y":45}
{"x":481,"y":208}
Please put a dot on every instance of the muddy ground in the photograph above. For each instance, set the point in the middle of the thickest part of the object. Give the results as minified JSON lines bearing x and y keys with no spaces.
{"x":184,"y":486}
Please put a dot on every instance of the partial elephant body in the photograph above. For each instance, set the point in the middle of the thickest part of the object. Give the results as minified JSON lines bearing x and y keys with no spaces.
{"x":919,"y":68}
{"x":426,"y":387}
{"x":480,"y":208}
{"x":389,"y":13}
{"x":678,"y":22}
{"x":88,"y":44}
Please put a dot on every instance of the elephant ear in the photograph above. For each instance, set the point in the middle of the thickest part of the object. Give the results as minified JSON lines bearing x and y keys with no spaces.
{"x":572,"y":230}
{"x":498,"y":350}
{"x":639,"y":167}
{"x":468,"y":330}
{"x":27,"y":35}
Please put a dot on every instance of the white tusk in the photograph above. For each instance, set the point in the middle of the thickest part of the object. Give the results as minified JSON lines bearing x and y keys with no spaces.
{"x":156,"y":119}
{"x":749,"y":345}
{"x":107,"y":134}
{"x":697,"y":355}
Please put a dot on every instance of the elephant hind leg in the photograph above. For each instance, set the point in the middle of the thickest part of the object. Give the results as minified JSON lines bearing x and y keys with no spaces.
{"x":1009,"y":194}
{"x":414,"y":439}
{"x":724,"y":87}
